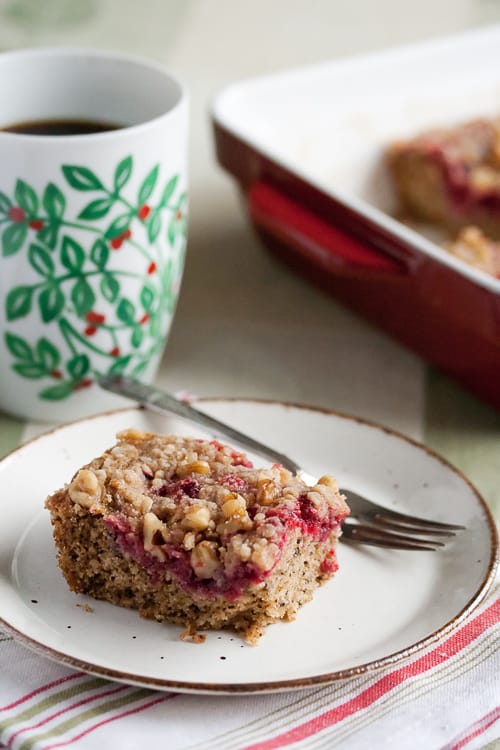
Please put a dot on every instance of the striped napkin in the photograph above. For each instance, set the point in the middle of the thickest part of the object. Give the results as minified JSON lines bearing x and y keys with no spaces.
{"x":446,"y":697}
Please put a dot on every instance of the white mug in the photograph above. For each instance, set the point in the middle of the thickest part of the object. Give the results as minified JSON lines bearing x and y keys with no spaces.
{"x":92,"y":227}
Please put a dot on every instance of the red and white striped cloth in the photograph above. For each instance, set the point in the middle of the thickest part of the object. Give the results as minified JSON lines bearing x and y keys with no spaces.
{"x":445,"y":697}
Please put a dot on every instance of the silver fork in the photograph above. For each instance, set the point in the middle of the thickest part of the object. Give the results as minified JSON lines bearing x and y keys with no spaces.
{"x":382,"y":527}
{"x":368,"y":522}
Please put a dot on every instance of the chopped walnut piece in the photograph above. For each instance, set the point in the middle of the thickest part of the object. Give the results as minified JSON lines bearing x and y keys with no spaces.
{"x":147,"y":471}
{"x":234,"y":524}
{"x":189,"y":540}
{"x":204,"y":559}
{"x":84,"y":489}
{"x":234,"y":505}
{"x":329,"y":481}
{"x":132,"y":434}
{"x":151,"y":527}
{"x":197,"y":518}
{"x":194,"y":467}
{"x":266,"y":489}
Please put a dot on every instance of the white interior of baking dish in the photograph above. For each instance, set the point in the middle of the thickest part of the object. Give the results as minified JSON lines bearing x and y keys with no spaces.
{"x":330,"y":123}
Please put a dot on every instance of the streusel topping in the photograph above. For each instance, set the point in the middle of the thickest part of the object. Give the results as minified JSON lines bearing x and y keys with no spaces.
{"x":201,"y":507}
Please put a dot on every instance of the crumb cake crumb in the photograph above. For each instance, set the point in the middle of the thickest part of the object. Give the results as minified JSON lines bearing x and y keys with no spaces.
{"x":190,"y":634}
{"x":476,"y":249}
{"x":189,"y":532}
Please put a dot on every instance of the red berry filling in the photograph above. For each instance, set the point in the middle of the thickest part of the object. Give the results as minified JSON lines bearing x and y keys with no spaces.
{"x":239,"y":459}
{"x":177,"y":487}
{"x":178,"y":564}
{"x":329,"y":565}
{"x":456,"y":168}
{"x":305,"y":517}
{"x":234,"y":483}
{"x":229,"y":584}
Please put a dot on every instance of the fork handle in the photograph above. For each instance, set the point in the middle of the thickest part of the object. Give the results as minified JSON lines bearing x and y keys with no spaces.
{"x":164,"y":403}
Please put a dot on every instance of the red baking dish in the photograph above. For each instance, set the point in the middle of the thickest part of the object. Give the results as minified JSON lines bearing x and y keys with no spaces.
{"x":306,"y":146}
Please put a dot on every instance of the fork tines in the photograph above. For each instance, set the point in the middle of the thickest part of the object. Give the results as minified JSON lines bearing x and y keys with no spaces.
{"x":370,"y":523}
{"x":378,"y":537}
{"x":414,"y":523}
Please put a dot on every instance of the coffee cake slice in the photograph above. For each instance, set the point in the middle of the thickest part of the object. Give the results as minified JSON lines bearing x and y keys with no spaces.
{"x":451,"y":176}
{"x":188,"y":532}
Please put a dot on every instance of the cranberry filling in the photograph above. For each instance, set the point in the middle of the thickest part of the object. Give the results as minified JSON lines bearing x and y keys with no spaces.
{"x":178,"y":564}
{"x":489,"y":200}
{"x":240,"y":460}
{"x":178,"y":487}
{"x":309,"y":514}
{"x":462,"y":193}
{"x":329,"y":563}
{"x":234,"y":483}
{"x":305,"y":517}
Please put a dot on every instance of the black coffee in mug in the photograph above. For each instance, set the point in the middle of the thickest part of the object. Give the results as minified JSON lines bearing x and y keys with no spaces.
{"x":61,"y":126}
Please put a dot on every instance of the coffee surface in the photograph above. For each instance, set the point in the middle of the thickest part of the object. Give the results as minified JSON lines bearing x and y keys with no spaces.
{"x":61,"y":127}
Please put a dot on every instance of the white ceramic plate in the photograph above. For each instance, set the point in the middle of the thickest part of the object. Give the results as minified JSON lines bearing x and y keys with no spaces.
{"x":381,"y":606}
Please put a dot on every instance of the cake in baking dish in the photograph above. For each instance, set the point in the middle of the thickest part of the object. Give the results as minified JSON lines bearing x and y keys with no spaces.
{"x":451,"y":177}
{"x":188,"y":532}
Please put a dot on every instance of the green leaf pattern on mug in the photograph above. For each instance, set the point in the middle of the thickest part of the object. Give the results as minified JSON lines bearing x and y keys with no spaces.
{"x":41,"y":260}
{"x":26,"y":198}
{"x":53,"y":201}
{"x":122,"y":173}
{"x":96,"y":209}
{"x":18,"y":302}
{"x":13,"y":238}
{"x":110,"y":287}
{"x":147,"y":186}
{"x":5,"y":204}
{"x":119,"y":226}
{"x":71,"y":274}
{"x":82,"y":178}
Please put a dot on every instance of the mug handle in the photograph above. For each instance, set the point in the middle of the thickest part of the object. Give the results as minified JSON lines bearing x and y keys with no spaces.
{"x":329,"y":246}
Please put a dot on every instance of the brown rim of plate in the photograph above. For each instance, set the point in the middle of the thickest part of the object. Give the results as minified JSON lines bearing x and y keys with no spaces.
{"x":278,"y":685}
